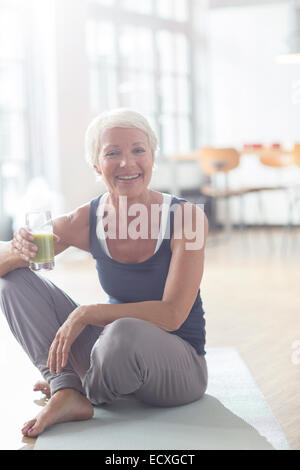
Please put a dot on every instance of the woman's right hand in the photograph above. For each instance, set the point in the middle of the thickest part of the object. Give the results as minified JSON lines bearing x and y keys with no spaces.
{"x":22,"y":244}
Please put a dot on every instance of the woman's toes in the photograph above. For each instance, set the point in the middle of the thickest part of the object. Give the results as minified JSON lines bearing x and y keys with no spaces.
{"x":34,"y":431}
{"x":27,"y":426}
{"x":32,"y":428}
{"x":40,"y":385}
{"x":43,"y":387}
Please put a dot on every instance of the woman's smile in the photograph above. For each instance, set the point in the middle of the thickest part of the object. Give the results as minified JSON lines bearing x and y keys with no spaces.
{"x":129,"y":179}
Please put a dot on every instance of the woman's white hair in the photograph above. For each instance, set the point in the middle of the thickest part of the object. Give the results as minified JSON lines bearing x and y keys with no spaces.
{"x":120,"y":117}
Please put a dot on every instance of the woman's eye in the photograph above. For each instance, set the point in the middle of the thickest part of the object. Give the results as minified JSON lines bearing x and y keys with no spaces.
{"x":112,"y":154}
{"x":139,"y":150}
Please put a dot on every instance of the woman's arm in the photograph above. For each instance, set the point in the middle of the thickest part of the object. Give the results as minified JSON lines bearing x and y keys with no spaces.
{"x":187,"y":262}
{"x":158,"y":312}
{"x":73,"y":229}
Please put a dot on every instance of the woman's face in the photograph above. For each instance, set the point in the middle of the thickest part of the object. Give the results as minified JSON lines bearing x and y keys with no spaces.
{"x":125,"y":153}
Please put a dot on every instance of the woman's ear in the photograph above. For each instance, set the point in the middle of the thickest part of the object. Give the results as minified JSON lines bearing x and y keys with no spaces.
{"x":97,"y":170}
{"x":154,"y":165}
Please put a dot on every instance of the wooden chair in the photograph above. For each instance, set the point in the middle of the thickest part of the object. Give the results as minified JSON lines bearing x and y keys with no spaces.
{"x":220,"y":160}
{"x":296,"y":154}
{"x":213,"y":161}
{"x":279,"y":159}
{"x":295,"y":193}
{"x":276,"y":158}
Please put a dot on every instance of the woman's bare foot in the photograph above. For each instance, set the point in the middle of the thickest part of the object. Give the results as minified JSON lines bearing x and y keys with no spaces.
{"x":44,"y":387}
{"x":65,"y":405}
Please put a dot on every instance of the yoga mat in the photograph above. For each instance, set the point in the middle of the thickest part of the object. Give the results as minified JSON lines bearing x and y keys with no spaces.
{"x":233,"y":415}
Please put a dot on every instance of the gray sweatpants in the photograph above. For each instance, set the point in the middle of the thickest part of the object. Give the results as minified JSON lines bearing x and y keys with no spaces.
{"x":128,"y":356}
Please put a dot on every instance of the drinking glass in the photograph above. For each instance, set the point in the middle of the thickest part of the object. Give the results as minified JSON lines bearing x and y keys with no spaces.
{"x":39,"y":223}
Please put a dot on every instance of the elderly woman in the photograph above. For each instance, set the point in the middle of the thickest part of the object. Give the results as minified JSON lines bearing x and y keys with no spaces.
{"x":149,"y":339}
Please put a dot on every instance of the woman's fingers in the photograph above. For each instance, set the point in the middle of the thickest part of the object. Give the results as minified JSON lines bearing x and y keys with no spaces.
{"x":65,"y":354}
{"x":23,"y":244}
{"x":61,"y":345}
{"x":23,"y":236}
{"x":18,"y":249}
{"x":58,"y":355}
{"x":51,"y":363}
{"x":56,"y":237}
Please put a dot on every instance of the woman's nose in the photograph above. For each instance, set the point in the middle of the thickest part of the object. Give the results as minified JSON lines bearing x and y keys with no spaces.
{"x":126,"y":161}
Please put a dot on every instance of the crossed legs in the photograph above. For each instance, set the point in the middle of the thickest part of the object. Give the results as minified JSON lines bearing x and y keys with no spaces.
{"x":128,"y":356}
{"x":35,"y":309}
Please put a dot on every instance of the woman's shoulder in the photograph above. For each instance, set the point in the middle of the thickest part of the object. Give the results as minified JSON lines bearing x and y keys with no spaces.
{"x":80,"y":216}
{"x":72,"y":228}
{"x":188,"y":216}
{"x":160,"y":196}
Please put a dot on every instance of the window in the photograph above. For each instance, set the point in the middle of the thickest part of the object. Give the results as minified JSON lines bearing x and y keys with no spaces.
{"x":140,"y":57}
{"x":173,"y":9}
{"x":146,"y":6}
{"x":175,"y":90}
{"x":103,"y":65}
{"x":14,"y":145}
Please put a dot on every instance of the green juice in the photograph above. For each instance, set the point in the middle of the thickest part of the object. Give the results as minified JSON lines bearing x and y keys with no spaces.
{"x":44,"y":242}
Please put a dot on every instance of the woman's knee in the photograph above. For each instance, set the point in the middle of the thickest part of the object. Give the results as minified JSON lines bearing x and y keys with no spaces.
{"x":18,"y":273}
{"x":127,"y":331}
{"x":11,"y":280}
{"x":16,"y":290}
{"x":118,"y":341}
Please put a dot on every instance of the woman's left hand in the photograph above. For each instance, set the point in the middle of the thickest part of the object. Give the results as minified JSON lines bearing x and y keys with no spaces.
{"x":65,"y":337}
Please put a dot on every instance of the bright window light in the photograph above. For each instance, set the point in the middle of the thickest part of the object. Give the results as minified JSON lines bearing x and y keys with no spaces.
{"x":144,"y":64}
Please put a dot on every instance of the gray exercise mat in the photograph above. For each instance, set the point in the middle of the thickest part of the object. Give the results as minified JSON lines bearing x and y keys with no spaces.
{"x":233,"y":414}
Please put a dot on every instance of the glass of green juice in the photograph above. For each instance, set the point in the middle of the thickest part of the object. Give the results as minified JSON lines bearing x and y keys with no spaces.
{"x":40,"y":225}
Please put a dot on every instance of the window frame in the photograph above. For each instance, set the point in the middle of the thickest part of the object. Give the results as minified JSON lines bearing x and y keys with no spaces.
{"x":30,"y":163}
{"x":121,"y":17}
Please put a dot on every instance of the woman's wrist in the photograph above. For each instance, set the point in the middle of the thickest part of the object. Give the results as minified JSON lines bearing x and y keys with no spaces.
{"x":89,"y":315}
{"x":81,"y":314}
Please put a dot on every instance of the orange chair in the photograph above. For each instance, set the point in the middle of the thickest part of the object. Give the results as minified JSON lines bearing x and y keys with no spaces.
{"x":295,"y":196}
{"x":296,"y":154}
{"x":279,"y":159}
{"x":276,"y":158}
{"x":214,"y":161}
{"x":220,"y":160}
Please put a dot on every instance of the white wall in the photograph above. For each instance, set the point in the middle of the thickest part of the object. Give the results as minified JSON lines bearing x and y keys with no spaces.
{"x":252,"y":95}
{"x":253,"y":98}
